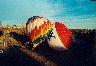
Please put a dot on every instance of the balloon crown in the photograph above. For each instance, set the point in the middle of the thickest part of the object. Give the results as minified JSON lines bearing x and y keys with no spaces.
{"x":34,"y":17}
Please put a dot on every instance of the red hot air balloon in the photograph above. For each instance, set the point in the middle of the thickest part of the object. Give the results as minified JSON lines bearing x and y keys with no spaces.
{"x":60,"y":38}
{"x":38,"y":28}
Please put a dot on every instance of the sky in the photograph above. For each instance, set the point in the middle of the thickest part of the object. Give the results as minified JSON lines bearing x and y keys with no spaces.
{"x":80,"y":14}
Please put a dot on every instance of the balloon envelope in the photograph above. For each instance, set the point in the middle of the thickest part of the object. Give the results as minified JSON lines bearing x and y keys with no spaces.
{"x":38,"y":28}
{"x":61,"y":37}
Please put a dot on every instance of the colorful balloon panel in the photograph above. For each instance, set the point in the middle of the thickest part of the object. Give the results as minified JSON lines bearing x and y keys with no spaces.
{"x":38,"y":28}
{"x":61,"y":37}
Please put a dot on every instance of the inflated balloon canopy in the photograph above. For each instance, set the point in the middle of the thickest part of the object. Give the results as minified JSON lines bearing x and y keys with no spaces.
{"x":38,"y":28}
{"x":59,"y":37}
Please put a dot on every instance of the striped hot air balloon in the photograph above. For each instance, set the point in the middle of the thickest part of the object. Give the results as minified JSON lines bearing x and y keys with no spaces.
{"x":60,"y":37}
{"x":38,"y":29}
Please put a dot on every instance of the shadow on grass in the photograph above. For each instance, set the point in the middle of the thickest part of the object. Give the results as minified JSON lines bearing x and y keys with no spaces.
{"x":78,"y":54}
{"x":1,"y":33}
{"x":19,"y":37}
{"x":14,"y":57}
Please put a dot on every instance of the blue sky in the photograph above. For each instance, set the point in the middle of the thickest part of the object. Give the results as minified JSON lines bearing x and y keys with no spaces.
{"x":73,"y":13}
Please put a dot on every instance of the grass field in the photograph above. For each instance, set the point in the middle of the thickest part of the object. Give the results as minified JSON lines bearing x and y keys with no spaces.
{"x":81,"y":53}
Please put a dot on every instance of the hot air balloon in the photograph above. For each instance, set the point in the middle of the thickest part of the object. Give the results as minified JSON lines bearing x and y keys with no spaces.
{"x":38,"y":29}
{"x":60,"y":37}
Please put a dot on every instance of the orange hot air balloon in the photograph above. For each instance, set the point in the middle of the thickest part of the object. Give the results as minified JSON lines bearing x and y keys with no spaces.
{"x":38,"y":28}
